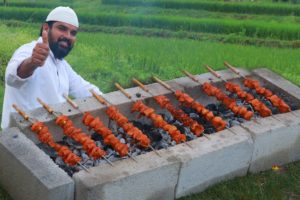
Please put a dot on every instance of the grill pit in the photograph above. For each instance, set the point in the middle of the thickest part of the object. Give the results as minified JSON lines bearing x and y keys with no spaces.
{"x":181,"y":170}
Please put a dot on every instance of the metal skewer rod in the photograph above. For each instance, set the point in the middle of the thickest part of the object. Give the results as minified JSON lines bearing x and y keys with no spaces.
{"x":233,"y":69}
{"x":51,"y":111}
{"x":132,"y":157}
{"x":26,"y":117}
{"x":170,"y":88}
{"x":84,"y":167}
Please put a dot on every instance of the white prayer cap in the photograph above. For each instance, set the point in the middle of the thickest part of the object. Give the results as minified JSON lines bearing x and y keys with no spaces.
{"x":63,"y":14}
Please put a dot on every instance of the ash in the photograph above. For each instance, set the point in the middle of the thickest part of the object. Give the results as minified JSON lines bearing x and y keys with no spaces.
{"x":160,"y":139}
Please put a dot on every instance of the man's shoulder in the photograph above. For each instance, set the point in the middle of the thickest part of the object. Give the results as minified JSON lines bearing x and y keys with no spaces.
{"x":27,"y":47}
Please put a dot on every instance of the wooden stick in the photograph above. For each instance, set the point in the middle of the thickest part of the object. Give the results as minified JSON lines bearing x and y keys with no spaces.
{"x":212,"y":71}
{"x":45,"y":106}
{"x":123,"y":90}
{"x":190,"y":76}
{"x":21,"y":112}
{"x":163,"y":83}
{"x":141,"y":85}
{"x":70,"y":101}
{"x":99,"y":98}
{"x":232,"y":68}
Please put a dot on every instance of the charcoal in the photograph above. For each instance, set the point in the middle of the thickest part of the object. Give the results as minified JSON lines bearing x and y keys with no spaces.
{"x":211,"y":107}
{"x":96,"y":137}
{"x":167,"y":117}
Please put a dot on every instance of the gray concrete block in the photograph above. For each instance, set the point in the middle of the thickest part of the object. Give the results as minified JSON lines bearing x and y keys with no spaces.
{"x":276,"y":141}
{"x":152,"y":177}
{"x":28,"y":173}
{"x":226,"y":155}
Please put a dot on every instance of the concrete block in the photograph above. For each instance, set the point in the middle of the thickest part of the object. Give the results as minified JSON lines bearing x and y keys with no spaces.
{"x":226,"y":155}
{"x":152,"y":177}
{"x":276,"y":141}
{"x":27,"y":173}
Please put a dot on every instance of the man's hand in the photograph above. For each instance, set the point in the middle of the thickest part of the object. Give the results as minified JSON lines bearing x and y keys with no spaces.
{"x":40,"y":51}
{"x":37,"y":59}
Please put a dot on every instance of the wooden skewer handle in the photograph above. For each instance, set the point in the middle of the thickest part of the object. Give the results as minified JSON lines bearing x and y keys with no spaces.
{"x":141,"y":85}
{"x":98,"y":97}
{"x":22,"y":113}
{"x":70,"y":101}
{"x":212,"y":71}
{"x":231,"y":68}
{"x":190,"y":75}
{"x":122,"y":90}
{"x":162,"y":83}
{"x":45,"y":106}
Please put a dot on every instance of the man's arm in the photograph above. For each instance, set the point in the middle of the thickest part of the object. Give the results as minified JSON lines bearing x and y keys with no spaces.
{"x":39,"y":55}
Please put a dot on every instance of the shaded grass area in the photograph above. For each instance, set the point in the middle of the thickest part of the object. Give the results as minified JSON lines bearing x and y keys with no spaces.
{"x":4,"y":195}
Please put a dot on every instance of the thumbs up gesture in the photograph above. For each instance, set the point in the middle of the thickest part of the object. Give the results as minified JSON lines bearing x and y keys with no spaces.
{"x":40,"y":51}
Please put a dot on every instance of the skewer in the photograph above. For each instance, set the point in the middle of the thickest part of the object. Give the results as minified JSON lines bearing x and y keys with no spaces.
{"x":171,"y":89}
{"x":130,"y":97}
{"x":74,"y":105}
{"x":237,"y":110}
{"x":257,"y":104}
{"x":127,"y":94}
{"x":279,"y":103}
{"x":143,"y":87}
{"x":32,"y":121}
{"x":104,"y":101}
{"x":51,"y":111}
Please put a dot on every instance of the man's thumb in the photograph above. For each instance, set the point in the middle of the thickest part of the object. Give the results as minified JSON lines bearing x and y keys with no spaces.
{"x":45,"y":37}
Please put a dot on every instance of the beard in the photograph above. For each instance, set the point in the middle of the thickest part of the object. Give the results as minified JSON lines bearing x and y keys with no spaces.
{"x":61,"y":47}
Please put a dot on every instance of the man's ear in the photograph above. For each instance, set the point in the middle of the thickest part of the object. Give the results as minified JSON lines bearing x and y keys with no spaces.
{"x":45,"y":27}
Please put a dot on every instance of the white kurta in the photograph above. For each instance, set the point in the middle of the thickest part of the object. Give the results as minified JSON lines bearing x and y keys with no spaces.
{"x":49,"y":82}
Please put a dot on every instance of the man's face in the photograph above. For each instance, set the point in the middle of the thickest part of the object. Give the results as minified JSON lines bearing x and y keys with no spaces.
{"x":62,"y":37}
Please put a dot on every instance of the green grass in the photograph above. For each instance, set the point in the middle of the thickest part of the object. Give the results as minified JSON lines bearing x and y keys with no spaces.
{"x":263,"y":186}
{"x":287,"y":29}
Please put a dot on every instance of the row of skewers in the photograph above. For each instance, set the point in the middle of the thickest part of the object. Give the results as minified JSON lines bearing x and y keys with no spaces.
{"x":141,"y":139}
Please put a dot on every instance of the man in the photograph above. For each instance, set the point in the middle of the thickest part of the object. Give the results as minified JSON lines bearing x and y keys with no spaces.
{"x":38,"y":69}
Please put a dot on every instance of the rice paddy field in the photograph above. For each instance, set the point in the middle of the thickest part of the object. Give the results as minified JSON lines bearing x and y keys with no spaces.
{"x":120,"y":39}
